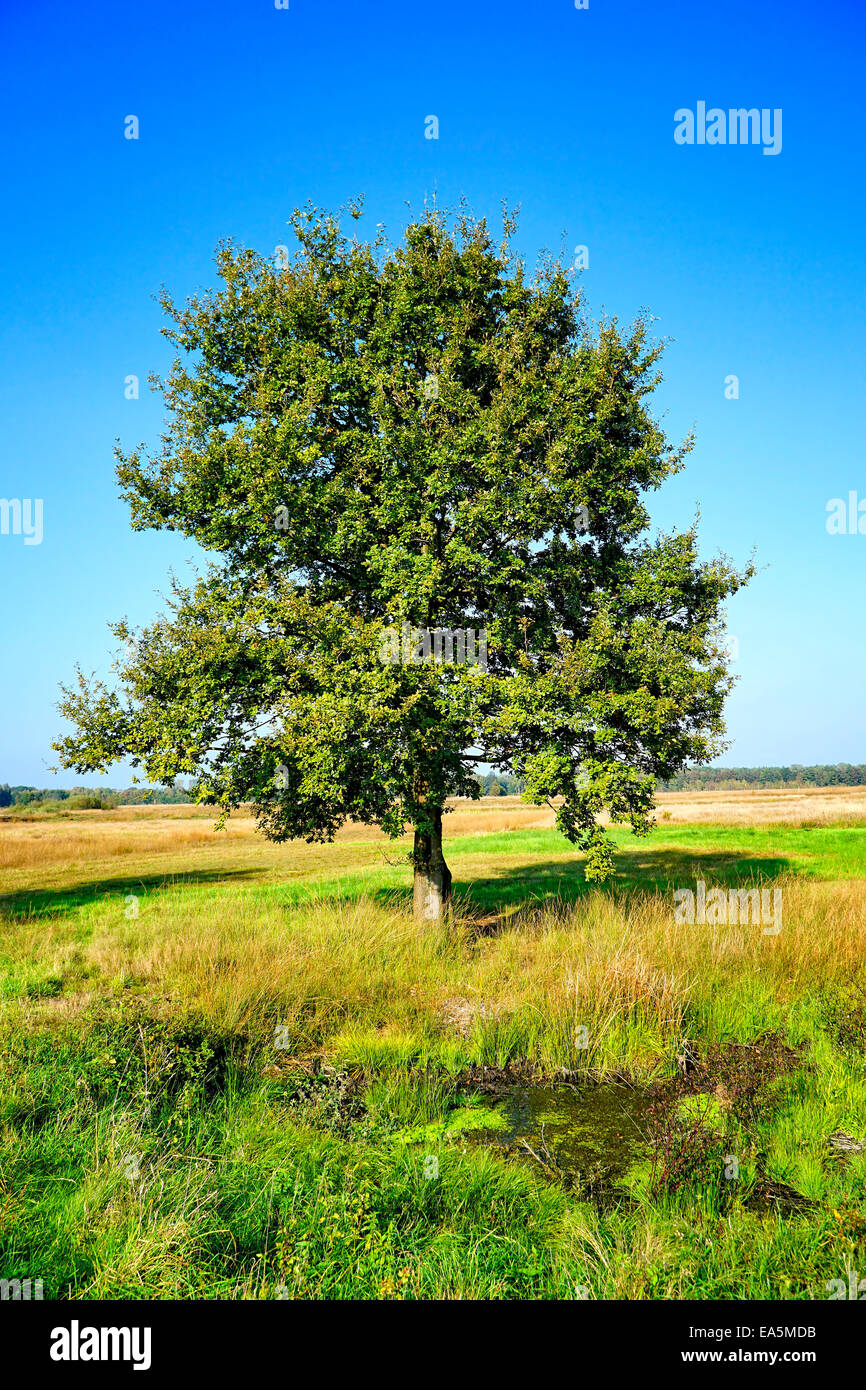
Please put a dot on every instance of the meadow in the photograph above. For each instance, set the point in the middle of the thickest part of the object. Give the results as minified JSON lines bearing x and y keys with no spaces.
{"x":233,"y":1069}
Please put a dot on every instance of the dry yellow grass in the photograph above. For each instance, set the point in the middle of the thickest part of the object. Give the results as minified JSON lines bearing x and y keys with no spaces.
{"x":184,"y":833}
{"x":147,"y":842}
{"x":93,"y":837}
{"x":773,"y":806}
{"x":334,"y":971}
{"x":70,"y":842}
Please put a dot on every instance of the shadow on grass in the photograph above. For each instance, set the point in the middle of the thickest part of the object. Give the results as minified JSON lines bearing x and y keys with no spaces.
{"x":489,"y":900}
{"x":492,"y":900}
{"x":41,"y":902}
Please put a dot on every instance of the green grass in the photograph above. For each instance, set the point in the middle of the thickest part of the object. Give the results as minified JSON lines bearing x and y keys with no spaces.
{"x":497,"y":870}
{"x":211,"y":1185}
{"x":239,"y":1092}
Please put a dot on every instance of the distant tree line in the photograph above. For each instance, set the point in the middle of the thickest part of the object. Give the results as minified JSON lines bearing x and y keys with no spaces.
{"x":499,"y":784}
{"x":704,"y":779}
{"x":698,"y":779}
{"x":720,"y":778}
{"x":93,"y":798}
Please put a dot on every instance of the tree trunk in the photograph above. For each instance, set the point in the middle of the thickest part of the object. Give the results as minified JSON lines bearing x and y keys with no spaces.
{"x":432,"y":891}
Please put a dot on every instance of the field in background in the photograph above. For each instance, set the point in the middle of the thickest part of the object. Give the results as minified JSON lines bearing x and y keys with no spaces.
{"x":78,"y":849}
{"x":209,"y":1047}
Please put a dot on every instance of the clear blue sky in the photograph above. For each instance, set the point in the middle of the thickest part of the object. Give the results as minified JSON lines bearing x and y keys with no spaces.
{"x":754,"y":265}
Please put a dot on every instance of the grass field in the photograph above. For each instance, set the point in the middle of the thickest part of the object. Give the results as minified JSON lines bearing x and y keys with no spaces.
{"x":232,"y":1069}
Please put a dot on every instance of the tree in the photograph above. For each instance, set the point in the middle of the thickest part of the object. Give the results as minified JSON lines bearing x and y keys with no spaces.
{"x":378,"y":443}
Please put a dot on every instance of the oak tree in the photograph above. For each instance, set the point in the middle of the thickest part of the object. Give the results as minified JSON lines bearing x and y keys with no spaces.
{"x":368,"y":438}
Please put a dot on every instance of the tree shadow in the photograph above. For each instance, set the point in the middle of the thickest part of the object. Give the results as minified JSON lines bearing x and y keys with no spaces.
{"x":488,"y":902}
{"x":491,"y":902}
{"x":42,"y":902}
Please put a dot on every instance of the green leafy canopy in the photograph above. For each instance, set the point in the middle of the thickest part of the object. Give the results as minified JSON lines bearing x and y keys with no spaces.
{"x":368,"y":435}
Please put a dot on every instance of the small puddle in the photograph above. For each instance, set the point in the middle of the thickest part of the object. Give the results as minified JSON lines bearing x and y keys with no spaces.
{"x":595,"y":1132}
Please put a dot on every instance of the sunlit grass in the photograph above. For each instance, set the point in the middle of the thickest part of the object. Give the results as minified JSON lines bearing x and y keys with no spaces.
{"x":156,"y":1002}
